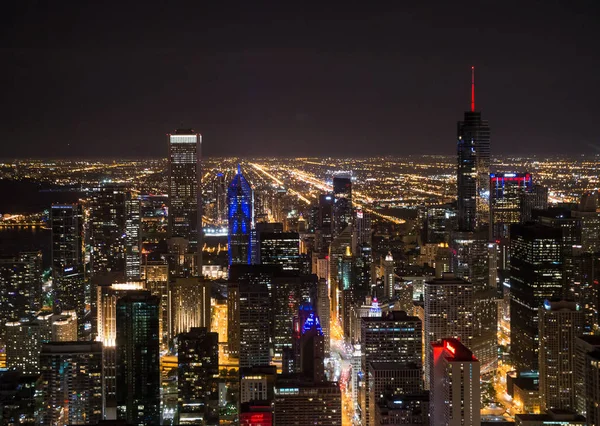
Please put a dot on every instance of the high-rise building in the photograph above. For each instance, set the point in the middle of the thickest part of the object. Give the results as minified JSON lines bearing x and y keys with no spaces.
{"x":67,"y":258}
{"x":20,"y":398}
{"x":257,"y":383}
{"x":156,"y":274}
{"x":441,"y":219}
{"x":454,"y":386}
{"x":506,"y":191}
{"x":471,"y":256}
{"x":448,"y":314}
{"x":23,"y":345}
{"x":280,"y":248}
{"x":324,"y":225}
{"x":185,"y":201}
{"x":107,"y":229}
{"x":240,"y":219}
{"x":536,"y":199}
{"x":389,"y":277}
{"x":133,"y":238}
{"x":342,"y":203}
{"x":309,"y":339}
{"x":249,"y":328}
{"x":536,"y":274}
{"x":138,"y":361}
{"x":107,"y":297}
{"x":323,"y":311}
{"x":220,"y":194}
{"x":20,"y":287}
{"x":560,"y":323}
{"x":393,"y":338}
{"x":337,"y":250}
{"x":592,"y":388}
{"x":71,"y":383}
{"x":584,"y":377}
{"x":198,"y":371}
{"x":403,"y":409}
{"x":190,"y":304}
{"x":364,"y":231}
{"x":303,"y":402}
{"x":473,"y":171}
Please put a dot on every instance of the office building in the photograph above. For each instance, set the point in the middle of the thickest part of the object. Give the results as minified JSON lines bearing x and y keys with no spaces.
{"x":473,"y":171}
{"x":64,"y":327}
{"x":280,"y":248}
{"x":299,"y":401}
{"x":19,"y":399}
{"x":337,"y":250}
{"x":257,"y":383}
{"x":536,"y":199}
{"x":309,"y":344}
{"x":324,"y":223}
{"x":20,"y":287}
{"x":156,"y":275}
{"x":393,"y":338}
{"x":403,"y":410}
{"x":249,"y":328}
{"x":592,"y":387}
{"x":138,"y":361}
{"x":240,"y":219}
{"x":454,"y":389}
{"x":472,"y":258}
{"x":583,"y":378}
{"x":220,"y":194}
{"x":343,"y":214}
{"x":448,"y":312}
{"x":389,"y":277}
{"x":536,"y":274}
{"x":560,"y":323}
{"x":198,"y":371}
{"x":440,"y":221}
{"x":133,"y":238}
{"x":506,"y":190}
{"x":364,"y":230}
{"x":190,"y":304}
{"x":107,"y":229}
{"x":71,"y":383}
{"x":66,"y":221}
{"x":323,"y":311}
{"x":23,"y":345}
{"x":185,"y":201}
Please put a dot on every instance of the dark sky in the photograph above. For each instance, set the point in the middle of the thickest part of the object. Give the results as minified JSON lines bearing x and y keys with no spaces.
{"x":294,"y":77}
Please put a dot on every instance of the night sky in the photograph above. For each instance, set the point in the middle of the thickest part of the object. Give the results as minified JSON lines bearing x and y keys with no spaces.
{"x":298,"y":78}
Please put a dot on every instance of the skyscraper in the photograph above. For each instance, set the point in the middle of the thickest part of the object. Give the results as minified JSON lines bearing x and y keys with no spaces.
{"x":342,"y":203}
{"x":536,"y":269}
{"x":389,"y":277}
{"x":324,"y":225}
{"x":67,"y":258}
{"x":241,"y":219}
{"x":392,"y":338}
{"x":23,"y":345}
{"x":309,"y":337}
{"x":133,"y":238}
{"x":448,"y":313}
{"x":190,"y":304}
{"x":71,"y":383}
{"x":454,"y":387}
{"x":198,"y":361}
{"x":473,"y":147}
{"x":107,"y":226}
{"x":280,"y":248}
{"x":506,"y":191}
{"x":559,"y":324}
{"x":138,"y":361}
{"x":185,"y":201}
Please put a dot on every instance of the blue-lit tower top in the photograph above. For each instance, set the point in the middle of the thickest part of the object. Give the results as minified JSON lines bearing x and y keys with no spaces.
{"x":240,"y":217}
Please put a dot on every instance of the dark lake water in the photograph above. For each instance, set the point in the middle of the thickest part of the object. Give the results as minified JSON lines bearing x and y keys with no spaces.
{"x":29,"y":197}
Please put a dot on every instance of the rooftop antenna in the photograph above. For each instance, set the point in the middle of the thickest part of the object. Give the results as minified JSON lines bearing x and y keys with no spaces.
{"x":472,"y":89}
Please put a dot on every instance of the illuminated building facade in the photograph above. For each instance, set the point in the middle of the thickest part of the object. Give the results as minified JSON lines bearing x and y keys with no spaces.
{"x":185,"y":200}
{"x":257,"y":383}
{"x":586,"y":384}
{"x":343,"y":213}
{"x":448,"y":313}
{"x":198,"y":371}
{"x":560,"y":323}
{"x":389,"y":276}
{"x":393,"y":338}
{"x":280,"y":248}
{"x":107,"y":229}
{"x":68,"y":282}
{"x":337,"y":250}
{"x":240,"y":219}
{"x":20,"y":287}
{"x":255,"y":414}
{"x":473,"y":184}
{"x":454,"y":387}
{"x":324,"y":225}
{"x":403,"y":410}
{"x":309,"y":340}
{"x":23,"y":345}
{"x":138,"y":361}
{"x":536,"y":274}
{"x":190,"y":304}
{"x":441,"y":219}
{"x":323,"y":311}
{"x":506,"y":191}
{"x":303,"y":402}
{"x":156,"y":275}
{"x":133,"y":238}
{"x":71,"y":383}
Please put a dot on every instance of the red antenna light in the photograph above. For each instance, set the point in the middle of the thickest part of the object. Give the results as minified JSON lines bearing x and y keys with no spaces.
{"x":472,"y":89}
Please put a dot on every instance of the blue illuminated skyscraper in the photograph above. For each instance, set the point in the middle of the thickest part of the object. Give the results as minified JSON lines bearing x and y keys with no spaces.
{"x":240,"y":217}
